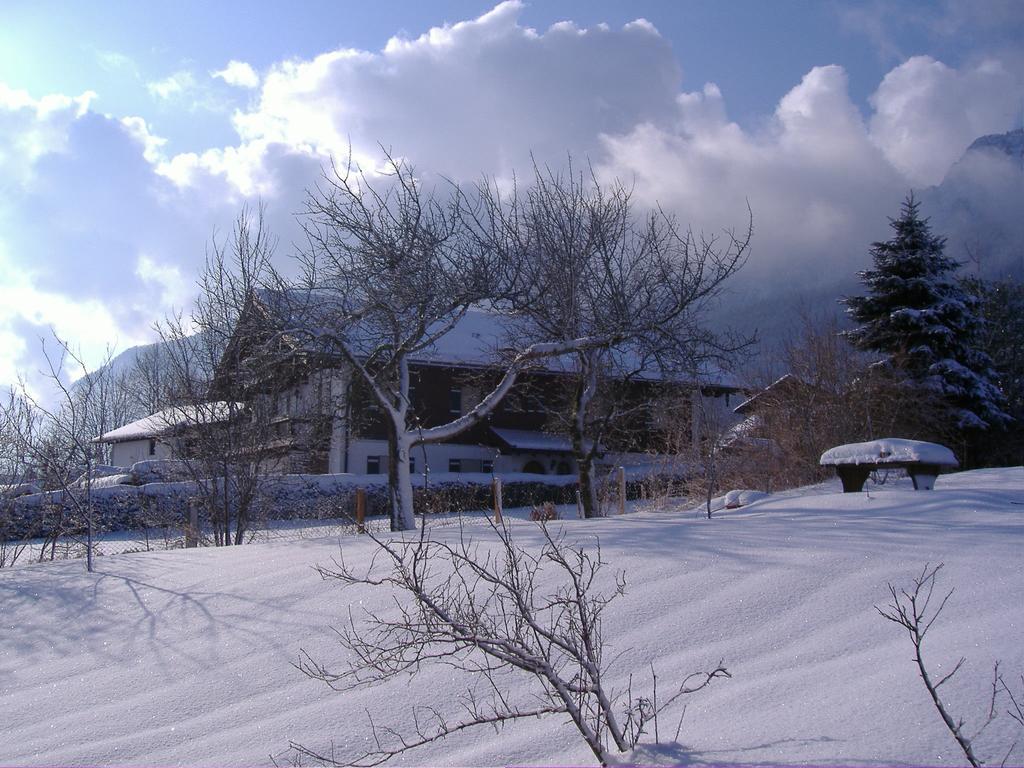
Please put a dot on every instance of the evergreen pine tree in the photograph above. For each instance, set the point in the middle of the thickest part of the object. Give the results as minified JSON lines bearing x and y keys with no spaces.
{"x":917,"y":315}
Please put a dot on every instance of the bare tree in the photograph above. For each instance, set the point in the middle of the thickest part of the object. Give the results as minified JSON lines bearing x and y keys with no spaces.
{"x":148,"y":380}
{"x":589,"y":264}
{"x":59,"y":444}
{"x":482,"y":608}
{"x":915,"y":611}
{"x":223,"y":372}
{"x":831,"y":394}
{"x":19,"y":425}
{"x":390,"y":268}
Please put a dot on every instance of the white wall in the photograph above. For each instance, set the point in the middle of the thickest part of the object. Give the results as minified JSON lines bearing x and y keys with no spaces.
{"x":126,"y":453}
{"x":438,"y":457}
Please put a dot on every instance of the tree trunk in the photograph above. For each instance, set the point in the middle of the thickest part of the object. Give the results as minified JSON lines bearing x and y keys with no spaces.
{"x":586,"y":386}
{"x":588,"y":489}
{"x":400,"y":480}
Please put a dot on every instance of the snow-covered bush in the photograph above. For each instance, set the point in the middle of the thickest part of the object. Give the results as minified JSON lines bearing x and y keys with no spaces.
{"x":159,"y":471}
{"x":98,"y":472}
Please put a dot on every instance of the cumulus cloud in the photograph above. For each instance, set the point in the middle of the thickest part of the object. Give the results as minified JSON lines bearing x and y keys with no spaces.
{"x":239,"y":74}
{"x":471,"y":97}
{"x":105,"y":222}
{"x":927,"y":113}
{"x":815,"y":182}
{"x":30,"y":315}
{"x":32,"y":128}
{"x":94,"y":243}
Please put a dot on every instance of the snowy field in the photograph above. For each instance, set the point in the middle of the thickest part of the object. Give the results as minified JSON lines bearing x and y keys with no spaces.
{"x":185,"y":657}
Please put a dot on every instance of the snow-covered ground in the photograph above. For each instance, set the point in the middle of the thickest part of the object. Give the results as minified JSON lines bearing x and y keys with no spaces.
{"x":185,"y":657}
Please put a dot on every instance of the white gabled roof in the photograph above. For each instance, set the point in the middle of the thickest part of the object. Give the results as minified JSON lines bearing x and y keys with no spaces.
{"x":160,"y":423}
{"x":476,"y":340}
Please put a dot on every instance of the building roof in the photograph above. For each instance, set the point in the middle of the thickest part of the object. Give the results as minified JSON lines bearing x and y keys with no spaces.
{"x":481,"y":338}
{"x":163,"y":422}
{"x":528,"y":440}
{"x":781,"y":383}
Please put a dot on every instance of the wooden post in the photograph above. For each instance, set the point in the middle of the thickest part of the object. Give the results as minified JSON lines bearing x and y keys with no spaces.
{"x":622,"y":490}
{"x":192,"y":529}
{"x":496,"y":488}
{"x":579,"y":504}
{"x":360,"y":510}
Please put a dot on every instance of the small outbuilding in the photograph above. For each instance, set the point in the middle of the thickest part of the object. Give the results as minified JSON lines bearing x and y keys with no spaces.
{"x":155,"y":436}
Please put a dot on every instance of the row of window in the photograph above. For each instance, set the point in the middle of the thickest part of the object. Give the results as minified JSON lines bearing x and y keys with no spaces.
{"x":374,"y":465}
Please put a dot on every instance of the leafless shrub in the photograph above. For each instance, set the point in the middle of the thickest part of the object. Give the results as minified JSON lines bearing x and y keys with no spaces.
{"x":487,"y":611}
{"x":915,"y":611}
{"x":831,"y":394}
{"x":545,"y":512}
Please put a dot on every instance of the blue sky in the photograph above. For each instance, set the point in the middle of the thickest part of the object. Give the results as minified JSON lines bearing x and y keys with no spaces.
{"x":129,"y":131}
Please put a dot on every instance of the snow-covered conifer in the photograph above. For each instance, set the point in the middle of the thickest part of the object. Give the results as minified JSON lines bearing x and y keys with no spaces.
{"x":917,"y":315}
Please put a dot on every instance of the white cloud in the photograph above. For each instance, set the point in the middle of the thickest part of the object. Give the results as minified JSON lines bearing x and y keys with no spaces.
{"x":93,"y":241}
{"x":33,"y":128}
{"x":175,"y":289}
{"x":817,"y":186}
{"x":174,"y":85}
{"x":151,"y":144}
{"x":28,"y":314}
{"x":476,"y":96}
{"x":113,"y":61}
{"x":105,"y":221}
{"x":927,"y":113}
{"x":239,"y":74}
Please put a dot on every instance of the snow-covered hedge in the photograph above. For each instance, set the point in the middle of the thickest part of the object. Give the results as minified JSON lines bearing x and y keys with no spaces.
{"x":121,"y":506}
{"x":115,"y":508}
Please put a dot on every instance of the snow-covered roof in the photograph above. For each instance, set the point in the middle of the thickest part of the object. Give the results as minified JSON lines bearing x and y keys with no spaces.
{"x":528,"y":440}
{"x":782,"y":381}
{"x":160,"y":423}
{"x":476,"y":340}
{"x":889,"y":450}
{"x":14,"y":490}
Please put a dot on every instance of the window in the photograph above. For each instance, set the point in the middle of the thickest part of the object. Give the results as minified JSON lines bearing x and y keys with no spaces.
{"x":412,"y":465}
{"x":152,"y":447}
{"x":373,"y":465}
{"x":455,"y":401}
{"x":454,"y":465}
{"x":487,"y":466}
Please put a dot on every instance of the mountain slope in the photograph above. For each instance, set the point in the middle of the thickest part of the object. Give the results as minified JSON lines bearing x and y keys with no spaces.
{"x":979,"y":206}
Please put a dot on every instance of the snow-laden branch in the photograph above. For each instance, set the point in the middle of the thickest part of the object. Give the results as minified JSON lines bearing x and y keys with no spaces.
{"x":520,"y":363}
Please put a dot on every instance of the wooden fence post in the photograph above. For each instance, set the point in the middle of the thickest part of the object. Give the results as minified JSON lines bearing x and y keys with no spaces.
{"x":360,"y":510}
{"x":622,"y":490}
{"x":192,"y":529}
{"x":579,"y":504}
{"x":496,"y":488}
